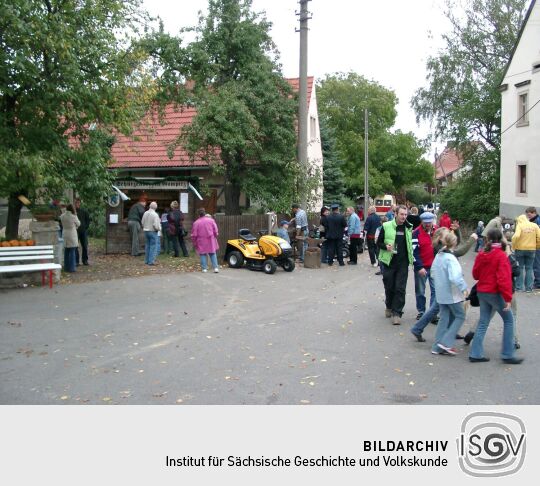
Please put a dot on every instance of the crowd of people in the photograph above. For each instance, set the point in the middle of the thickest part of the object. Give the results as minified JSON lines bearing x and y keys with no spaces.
{"x":508,"y":261}
{"x":169,"y":227}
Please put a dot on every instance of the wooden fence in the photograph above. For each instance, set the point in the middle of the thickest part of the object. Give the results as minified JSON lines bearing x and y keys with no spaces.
{"x":229,"y":225}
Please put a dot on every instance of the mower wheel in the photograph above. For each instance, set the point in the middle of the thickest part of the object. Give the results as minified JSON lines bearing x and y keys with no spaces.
{"x":345,"y":252}
{"x":270,"y":267}
{"x":288,"y":265}
{"x":235,"y":259}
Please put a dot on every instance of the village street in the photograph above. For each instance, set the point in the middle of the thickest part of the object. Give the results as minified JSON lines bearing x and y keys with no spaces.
{"x":242,"y":337}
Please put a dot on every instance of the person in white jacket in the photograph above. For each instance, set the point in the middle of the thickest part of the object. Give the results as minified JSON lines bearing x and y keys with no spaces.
{"x":151,"y":224}
{"x":451,"y":291}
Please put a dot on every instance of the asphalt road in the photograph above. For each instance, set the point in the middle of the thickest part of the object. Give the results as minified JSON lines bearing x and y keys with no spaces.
{"x":242,"y":337}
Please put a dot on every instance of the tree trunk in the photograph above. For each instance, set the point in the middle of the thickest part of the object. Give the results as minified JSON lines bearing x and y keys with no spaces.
{"x":232,"y":198}
{"x":14,"y":214}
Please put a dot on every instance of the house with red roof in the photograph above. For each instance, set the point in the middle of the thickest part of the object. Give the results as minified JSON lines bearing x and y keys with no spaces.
{"x":149,"y":164}
{"x":447,"y":165}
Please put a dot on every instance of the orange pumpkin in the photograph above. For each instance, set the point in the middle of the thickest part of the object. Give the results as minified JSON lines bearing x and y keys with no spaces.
{"x":14,"y":243}
{"x":30,"y":242}
{"x":5,"y":244}
{"x":22,"y":243}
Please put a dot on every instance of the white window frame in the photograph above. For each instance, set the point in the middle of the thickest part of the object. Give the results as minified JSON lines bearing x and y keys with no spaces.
{"x":522,"y":111}
{"x":312,"y":127}
{"x":518,"y":178}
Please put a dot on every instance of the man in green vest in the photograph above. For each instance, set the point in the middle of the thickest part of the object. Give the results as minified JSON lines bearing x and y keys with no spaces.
{"x":395,"y":254}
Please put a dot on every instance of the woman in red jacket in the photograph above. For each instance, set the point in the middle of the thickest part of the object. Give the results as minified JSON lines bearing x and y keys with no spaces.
{"x":494,"y":275}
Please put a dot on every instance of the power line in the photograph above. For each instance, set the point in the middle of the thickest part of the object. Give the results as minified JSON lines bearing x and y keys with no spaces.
{"x":522,"y":116}
{"x":517,"y":74}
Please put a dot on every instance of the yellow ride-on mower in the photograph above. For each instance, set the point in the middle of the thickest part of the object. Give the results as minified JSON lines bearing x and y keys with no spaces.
{"x":265,"y":254}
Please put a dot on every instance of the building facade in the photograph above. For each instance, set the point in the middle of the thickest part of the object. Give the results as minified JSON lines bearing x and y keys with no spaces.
{"x":520,"y":121}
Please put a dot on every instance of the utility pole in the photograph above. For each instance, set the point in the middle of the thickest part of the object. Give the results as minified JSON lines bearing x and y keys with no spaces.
{"x":366,"y":161}
{"x":302,"y":95}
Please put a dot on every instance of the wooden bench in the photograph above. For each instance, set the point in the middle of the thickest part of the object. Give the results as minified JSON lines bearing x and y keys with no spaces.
{"x":43,"y":254}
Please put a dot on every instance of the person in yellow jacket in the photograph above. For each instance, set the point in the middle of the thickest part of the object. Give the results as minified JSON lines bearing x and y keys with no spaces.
{"x":525,"y":242}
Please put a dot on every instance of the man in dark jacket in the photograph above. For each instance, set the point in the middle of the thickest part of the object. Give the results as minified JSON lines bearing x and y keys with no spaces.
{"x":370,"y":228}
{"x":82,"y":232}
{"x":335,"y":225}
{"x":176,"y":229}
{"x":135,"y":215}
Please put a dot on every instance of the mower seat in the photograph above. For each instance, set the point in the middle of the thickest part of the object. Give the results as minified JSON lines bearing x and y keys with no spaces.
{"x":246,"y":235}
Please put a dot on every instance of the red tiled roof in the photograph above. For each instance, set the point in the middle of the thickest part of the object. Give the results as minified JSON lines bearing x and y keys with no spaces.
{"x":147,"y":146}
{"x":448,"y":162}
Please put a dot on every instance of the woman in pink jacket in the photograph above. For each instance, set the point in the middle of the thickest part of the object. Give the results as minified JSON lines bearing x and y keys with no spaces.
{"x":204,"y":235}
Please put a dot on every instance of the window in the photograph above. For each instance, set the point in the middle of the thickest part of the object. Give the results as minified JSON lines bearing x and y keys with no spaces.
{"x":523,"y":106}
{"x":522,"y":179}
{"x":312,"y":128}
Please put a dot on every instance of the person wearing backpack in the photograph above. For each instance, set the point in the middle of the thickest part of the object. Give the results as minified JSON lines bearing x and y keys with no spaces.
{"x":516,"y":271}
{"x":493,"y":272}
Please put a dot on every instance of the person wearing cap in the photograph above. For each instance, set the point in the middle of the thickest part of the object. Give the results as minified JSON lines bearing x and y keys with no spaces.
{"x":282,"y":231}
{"x":334,"y":226}
{"x":135,"y":215}
{"x":395,"y":255}
{"x":353,"y":230}
{"x":373,"y":222}
{"x":301,"y":221}
{"x":423,"y":259}
{"x":322,"y":234}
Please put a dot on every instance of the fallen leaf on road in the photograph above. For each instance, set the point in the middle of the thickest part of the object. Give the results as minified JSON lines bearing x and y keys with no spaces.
{"x":411,"y":383}
{"x":64,"y":397}
{"x":106,"y":399}
{"x":305,"y":402}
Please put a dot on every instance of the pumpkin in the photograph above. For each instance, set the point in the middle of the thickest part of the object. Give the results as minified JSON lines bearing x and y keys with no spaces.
{"x":4,"y":244}
{"x":22,"y":243}
{"x":30,"y":242}
{"x":14,"y":243}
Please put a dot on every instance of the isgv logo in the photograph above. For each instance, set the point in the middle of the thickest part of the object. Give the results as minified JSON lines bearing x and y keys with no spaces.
{"x":491,"y":444}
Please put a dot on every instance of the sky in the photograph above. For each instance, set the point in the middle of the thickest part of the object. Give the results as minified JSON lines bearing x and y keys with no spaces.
{"x":384,"y":40}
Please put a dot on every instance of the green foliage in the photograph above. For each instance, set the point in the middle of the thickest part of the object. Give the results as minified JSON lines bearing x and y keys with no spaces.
{"x":68,"y":69}
{"x":475,"y":195}
{"x":462,"y":97}
{"x":244,"y":125}
{"x":417,"y":195}
{"x":333,"y":179}
{"x":396,"y":158}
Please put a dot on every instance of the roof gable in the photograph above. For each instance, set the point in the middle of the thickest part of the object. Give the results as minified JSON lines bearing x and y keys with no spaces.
{"x":523,"y":25}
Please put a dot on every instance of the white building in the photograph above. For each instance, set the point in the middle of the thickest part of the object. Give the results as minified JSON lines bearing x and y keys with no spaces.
{"x":520,"y":121}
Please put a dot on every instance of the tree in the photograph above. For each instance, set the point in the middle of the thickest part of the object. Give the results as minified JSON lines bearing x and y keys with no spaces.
{"x":396,"y":158}
{"x":333,"y":180}
{"x":462,"y":98}
{"x":245,"y":122}
{"x":69,"y":74}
